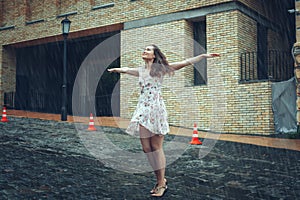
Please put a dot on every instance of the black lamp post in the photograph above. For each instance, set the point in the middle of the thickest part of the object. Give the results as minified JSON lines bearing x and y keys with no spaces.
{"x":65,"y":31}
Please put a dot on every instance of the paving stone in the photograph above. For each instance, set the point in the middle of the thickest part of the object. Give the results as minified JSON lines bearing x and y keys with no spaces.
{"x":43,"y":159}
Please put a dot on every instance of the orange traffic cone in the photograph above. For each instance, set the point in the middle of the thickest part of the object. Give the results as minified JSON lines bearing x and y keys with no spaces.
{"x":4,"y":118}
{"x":195,"y":139}
{"x":91,"y":123}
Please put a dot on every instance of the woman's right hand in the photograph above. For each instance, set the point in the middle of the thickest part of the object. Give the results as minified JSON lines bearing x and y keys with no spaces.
{"x":112,"y":70}
{"x":126,"y":70}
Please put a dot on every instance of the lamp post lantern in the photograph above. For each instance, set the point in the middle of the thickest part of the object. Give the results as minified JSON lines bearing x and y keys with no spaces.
{"x":65,"y":31}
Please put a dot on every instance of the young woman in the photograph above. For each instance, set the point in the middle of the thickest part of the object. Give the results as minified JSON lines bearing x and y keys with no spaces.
{"x":150,"y":120}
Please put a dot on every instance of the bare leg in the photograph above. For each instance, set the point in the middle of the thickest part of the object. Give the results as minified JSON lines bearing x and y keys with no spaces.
{"x":159,"y":157}
{"x":145,"y":138}
{"x":152,"y":146}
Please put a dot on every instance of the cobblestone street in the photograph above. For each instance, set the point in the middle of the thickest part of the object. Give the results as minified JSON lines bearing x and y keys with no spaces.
{"x":42,"y":159}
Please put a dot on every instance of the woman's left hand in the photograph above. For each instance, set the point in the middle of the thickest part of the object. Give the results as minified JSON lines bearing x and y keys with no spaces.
{"x":211,"y":55}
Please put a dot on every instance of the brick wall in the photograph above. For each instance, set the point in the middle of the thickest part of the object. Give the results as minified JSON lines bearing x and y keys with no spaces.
{"x":222,"y":105}
{"x":18,"y":12}
{"x":8,"y":72}
{"x":171,"y":38}
{"x":248,"y":106}
{"x":297,"y":6}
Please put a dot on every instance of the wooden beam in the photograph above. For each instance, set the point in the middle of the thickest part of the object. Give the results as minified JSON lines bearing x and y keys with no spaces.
{"x":72,"y":35}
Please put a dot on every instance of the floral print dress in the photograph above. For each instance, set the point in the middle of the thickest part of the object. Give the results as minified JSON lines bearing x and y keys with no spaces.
{"x":150,"y":111}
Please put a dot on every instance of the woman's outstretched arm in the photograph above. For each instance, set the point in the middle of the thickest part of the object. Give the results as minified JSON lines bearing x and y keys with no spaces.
{"x":190,"y":61}
{"x":125,"y":70}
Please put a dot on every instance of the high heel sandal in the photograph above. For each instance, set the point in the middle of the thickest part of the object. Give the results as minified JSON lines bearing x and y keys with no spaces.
{"x":155,"y":186}
{"x":160,"y":191}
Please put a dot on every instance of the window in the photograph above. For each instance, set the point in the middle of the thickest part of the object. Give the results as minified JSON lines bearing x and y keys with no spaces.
{"x":262,"y":52}
{"x":100,"y":2}
{"x":7,"y":14}
{"x":200,"y":68}
{"x":34,"y":10}
{"x":66,"y":6}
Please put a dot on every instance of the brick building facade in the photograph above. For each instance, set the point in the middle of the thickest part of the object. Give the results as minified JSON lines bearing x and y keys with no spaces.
{"x":234,"y":91}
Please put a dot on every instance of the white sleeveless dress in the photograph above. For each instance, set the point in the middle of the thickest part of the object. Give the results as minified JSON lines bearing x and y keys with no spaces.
{"x":150,"y":111}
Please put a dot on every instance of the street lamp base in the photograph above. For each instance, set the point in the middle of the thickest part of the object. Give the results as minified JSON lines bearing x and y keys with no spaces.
{"x":63,"y":114}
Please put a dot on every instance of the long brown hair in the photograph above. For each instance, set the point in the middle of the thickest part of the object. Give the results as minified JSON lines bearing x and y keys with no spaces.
{"x":160,"y":65}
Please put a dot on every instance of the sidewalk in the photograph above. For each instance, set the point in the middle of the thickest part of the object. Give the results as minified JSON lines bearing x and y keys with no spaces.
{"x":291,"y":144}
